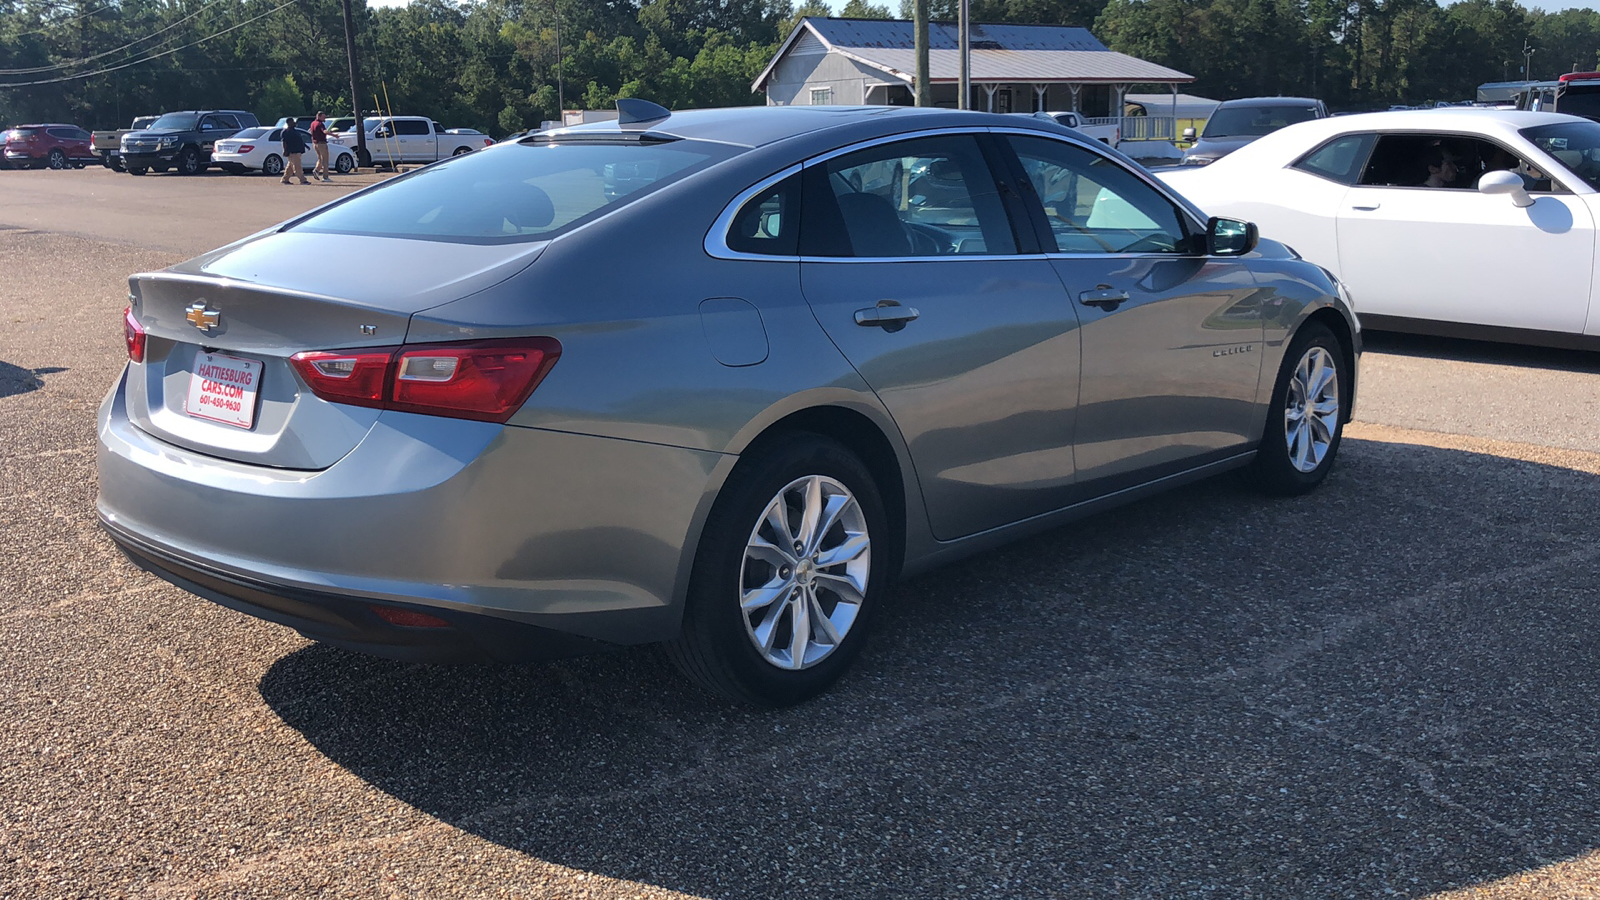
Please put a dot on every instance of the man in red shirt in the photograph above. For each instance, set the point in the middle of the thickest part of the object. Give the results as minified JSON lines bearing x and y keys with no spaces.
{"x":319,"y":143}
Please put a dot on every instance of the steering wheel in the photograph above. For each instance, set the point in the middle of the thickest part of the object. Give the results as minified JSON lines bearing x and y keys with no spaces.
{"x":927,"y":240}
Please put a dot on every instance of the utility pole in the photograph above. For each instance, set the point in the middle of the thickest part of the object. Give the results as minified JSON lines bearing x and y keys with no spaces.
{"x":919,"y":17}
{"x":561,"y":97}
{"x":355,"y":91}
{"x":965,"y":27}
{"x":1527,"y":60}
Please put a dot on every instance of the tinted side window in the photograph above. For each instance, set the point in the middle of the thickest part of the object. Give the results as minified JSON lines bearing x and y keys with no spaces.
{"x":1444,"y":162}
{"x":412,"y":126}
{"x":1095,"y":205}
{"x":64,"y":134}
{"x":437,"y":128}
{"x":769,"y":222}
{"x":1340,"y":159}
{"x":923,"y":197}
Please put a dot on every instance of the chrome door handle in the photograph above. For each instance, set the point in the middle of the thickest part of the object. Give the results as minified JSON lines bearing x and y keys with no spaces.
{"x":892,"y":317}
{"x":1365,"y":207}
{"x":1105,"y":297}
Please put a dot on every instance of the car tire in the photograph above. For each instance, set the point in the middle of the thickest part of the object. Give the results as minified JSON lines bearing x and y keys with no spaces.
{"x":345,"y":164}
{"x":364,"y":157}
{"x":136,"y":170}
{"x":746,"y":650}
{"x":1305,"y":420}
{"x":188,"y":162}
{"x":272,"y":165}
{"x":461,"y":151}
{"x":159,"y":168}
{"x":57,"y":159}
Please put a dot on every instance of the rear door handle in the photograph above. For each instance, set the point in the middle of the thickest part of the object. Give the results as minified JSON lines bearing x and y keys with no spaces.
{"x":1365,"y":207}
{"x":890,"y":317}
{"x":1105,"y":297}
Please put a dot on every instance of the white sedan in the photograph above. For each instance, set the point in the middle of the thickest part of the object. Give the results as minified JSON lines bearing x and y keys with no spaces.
{"x":261,"y":149}
{"x":1457,"y":222}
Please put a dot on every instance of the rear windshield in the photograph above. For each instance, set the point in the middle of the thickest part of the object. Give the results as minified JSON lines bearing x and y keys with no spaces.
{"x":24,"y":132}
{"x":1581,"y":100}
{"x":1254,"y":121}
{"x":515,"y":192}
{"x":249,"y":133}
{"x":1575,"y":145}
{"x":175,"y":122}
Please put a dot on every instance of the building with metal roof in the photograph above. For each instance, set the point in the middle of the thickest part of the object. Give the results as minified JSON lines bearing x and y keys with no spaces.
{"x":1014,"y":68}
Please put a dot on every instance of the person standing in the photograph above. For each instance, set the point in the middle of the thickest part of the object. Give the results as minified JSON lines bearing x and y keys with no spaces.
{"x":319,"y":143}
{"x":293,"y":146}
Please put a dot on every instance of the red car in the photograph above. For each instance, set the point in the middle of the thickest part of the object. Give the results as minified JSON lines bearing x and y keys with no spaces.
{"x":55,"y":145}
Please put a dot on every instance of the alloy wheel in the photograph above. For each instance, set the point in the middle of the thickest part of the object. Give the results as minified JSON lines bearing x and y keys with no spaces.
{"x":806,"y":568}
{"x":1311,"y":410}
{"x":272,"y":165}
{"x":58,"y":160}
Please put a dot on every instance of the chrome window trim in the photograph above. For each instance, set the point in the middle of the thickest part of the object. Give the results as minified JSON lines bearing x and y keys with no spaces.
{"x":716,"y":242}
{"x":1140,"y":173}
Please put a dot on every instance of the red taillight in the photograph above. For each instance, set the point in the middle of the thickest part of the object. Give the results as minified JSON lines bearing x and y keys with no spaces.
{"x":134,"y":332}
{"x":357,"y":377}
{"x":483,"y":380}
{"x":487,"y":142}
{"x":247,"y":148}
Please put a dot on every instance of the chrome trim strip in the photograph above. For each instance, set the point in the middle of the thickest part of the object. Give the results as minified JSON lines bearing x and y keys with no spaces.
{"x":716,"y":242}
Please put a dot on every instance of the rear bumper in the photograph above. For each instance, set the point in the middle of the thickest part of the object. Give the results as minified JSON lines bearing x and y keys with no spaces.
{"x":543,"y":536}
{"x":354,"y":623}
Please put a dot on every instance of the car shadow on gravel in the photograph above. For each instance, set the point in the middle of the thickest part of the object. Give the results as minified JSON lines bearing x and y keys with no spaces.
{"x":17,"y":380}
{"x":1488,"y":352}
{"x":1389,"y":686}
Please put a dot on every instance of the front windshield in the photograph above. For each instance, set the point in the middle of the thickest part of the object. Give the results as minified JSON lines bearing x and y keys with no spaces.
{"x":1254,"y":121}
{"x":176,"y":122}
{"x":516,"y":192}
{"x":1575,"y":145}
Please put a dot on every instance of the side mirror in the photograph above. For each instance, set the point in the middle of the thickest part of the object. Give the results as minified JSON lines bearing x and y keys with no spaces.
{"x":1189,"y":133}
{"x":1231,"y":237}
{"x":1503,"y":181}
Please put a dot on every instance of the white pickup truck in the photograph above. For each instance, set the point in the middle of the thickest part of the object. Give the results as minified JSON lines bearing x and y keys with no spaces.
{"x":1111,"y":134}
{"x":411,"y":139}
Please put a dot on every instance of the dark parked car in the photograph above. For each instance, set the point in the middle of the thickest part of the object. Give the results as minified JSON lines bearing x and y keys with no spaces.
{"x":1235,"y":123}
{"x":51,"y":145}
{"x":711,"y":378}
{"x":181,"y":140}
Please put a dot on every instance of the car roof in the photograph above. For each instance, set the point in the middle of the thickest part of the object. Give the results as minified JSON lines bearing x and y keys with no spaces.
{"x":755,"y":126}
{"x":1449,"y":118}
{"x":46,"y":125}
{"x":1271,"y":101}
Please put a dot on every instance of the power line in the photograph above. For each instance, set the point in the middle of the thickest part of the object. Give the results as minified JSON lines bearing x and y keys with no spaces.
{"x":14,"y":84}
{"x":78,"y":62}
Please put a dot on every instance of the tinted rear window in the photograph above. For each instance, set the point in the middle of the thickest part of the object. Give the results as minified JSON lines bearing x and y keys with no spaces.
{"x":1254,"y":121}
{"x":249,"y":133}
{"x":515,"y":193}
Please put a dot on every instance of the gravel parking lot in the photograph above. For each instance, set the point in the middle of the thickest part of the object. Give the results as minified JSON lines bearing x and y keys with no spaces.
{"x":1388,"y":687}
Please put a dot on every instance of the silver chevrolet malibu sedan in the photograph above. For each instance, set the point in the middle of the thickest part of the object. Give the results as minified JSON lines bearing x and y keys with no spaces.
{"x":707,"y":378}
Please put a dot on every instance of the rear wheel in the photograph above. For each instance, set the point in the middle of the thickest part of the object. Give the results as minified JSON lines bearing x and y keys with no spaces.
{"x":461,"y":151}
{"x":364,"y":157}
{"x":1305,"y":422}
{"x":136,"y":170}
{"x":345,"y":164}
{"x":58,"y":159}
{"x":272,"y":165}
{"x":189,"y":162}
{"x":785,"y":582}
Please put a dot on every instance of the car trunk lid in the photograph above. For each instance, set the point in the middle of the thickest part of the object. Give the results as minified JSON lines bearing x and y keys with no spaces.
{"x":238,"y":314}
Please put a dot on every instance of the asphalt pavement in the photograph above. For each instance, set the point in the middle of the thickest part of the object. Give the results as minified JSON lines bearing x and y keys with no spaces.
{"x":1389,"y":687}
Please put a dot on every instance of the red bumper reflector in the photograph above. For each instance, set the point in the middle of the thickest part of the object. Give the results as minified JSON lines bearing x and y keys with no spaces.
{"x":409,"y":618}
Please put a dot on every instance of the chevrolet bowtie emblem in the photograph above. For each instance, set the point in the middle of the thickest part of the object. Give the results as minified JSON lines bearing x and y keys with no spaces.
{"x":202,"y":318}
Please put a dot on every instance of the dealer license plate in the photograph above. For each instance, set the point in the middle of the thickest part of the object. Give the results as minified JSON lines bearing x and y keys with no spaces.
{"x":223,"y":389}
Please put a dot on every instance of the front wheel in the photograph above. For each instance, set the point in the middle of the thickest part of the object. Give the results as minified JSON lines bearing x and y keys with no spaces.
{"x":345,"y":164}
{"x":189,"y":162}
{"x":1305,"y":422}
{"x":136,"y":170}
{"x":272,"y":165}
{"x":58,"y":159}
{"x":790,"y":569}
